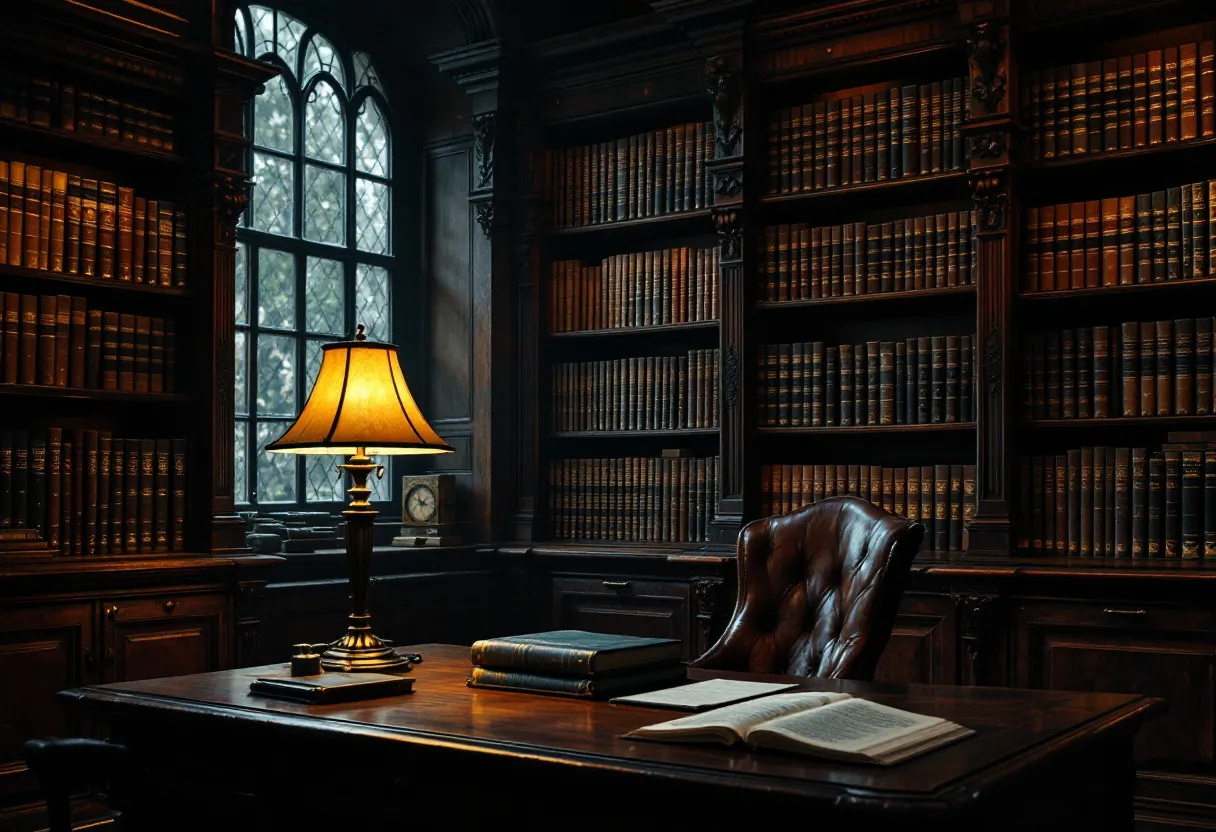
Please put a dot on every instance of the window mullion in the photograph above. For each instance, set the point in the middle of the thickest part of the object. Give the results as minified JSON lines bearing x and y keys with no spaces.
{"x":251,"y":357}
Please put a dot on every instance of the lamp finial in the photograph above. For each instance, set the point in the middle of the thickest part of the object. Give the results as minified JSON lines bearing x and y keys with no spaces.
{"x":359,"y":336}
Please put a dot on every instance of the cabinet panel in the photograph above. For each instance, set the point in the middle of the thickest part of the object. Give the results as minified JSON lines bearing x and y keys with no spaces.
{"x":43,"y":650}
{"x":922,"y":645}
{"x":174,"y":635}
{"x":1162,"y":651}
{"x":619,"y":605}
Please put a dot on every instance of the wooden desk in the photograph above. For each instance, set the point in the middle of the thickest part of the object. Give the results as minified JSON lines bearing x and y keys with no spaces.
{"x":450,"y":757}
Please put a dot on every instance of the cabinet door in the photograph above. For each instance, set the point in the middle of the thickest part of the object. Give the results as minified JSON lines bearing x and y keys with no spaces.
{"x":43,"y":650}
{"x":624,"y":606}
{"x":1162,"y":651}
{"x":922,"y":645}
{"x":169,"y":635}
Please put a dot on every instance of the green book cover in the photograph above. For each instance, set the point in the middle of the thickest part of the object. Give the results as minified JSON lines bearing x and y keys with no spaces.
{"x":573,"y":653}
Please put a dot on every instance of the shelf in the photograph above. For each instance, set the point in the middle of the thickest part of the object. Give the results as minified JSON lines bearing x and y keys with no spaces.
{"x":906,"y":189}
{"x":1117,"y":172}
{"x":663,"y":221}
{"x":1136,"y":289}
{"x":840,"y":430}
{"x":42,"y":391}
{"x":1206,"y":420}
{"x":86,"y":283}
{"x":878,"y":297}
{"x":621,"y":434}
{"x":625,"y":331}
{"x":57,"y":140}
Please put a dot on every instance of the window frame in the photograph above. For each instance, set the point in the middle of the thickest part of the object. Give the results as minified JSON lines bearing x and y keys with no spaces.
{"x":300,"y":249}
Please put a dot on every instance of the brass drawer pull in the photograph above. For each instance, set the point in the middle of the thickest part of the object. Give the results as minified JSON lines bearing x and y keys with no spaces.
{"x":615,"y":584}
{"x":170,"y":606}
{"x":112,"y":611}
{"x":1113,"y":611}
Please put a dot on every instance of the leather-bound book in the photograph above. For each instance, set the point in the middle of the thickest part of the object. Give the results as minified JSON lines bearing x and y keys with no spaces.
{"x":1085,"y":513}
{"x":591,"y":688}
{"x":1109,"y":120}
{"x":73,"y":354}
{"x":1148,"y":368}
{"x":1098,"y":496}
{"x":1127,"y":240}
{"x":45,"y":374}
{"x":1191,"y":510}
{"x":36,"y":482}
{"x":131,"y":496}
{"x":1200,"y":240}
{"x":1209,"y":504}
{"x":941,"y":507}
{"x":1123,"y":499}
{"x":1038,"y":532}
{"x":955,"y":538}
{"x":54,"y":508}
{"x":89,"y":500}
{"x":831,"y":386}
{"x":1126,"y":112}
{"x":105,"y":462}
{"x":1165,"y":369}
{"x":1068,"y":374}
{"x":1139,"y":503}
{"x":909,"y":381}
{"x":1203,"y":366}
{"x":1072,"y":488}
{"x":1170,"y":94}
{"x":1184,"y":367}
{"x":574,"y":653}
{"x":1084,"y":372}
{"x":1172,"y":539}
{"x":1156,"y":96}
{"x":1156,"y":505}
{"x":1100,"y":349}
{"x":928,"y":517}
{"x":160,"y":485}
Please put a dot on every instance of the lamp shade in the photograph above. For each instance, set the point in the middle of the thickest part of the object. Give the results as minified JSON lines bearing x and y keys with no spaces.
{"x":360,"y":403}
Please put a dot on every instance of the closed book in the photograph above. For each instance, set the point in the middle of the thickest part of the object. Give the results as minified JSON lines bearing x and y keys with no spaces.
{"x":574,"y":653}
{"x":587,"y":688}
{"x":333,"y":688}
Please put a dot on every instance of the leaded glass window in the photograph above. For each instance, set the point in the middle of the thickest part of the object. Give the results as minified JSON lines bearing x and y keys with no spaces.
{"x":314,"y":248}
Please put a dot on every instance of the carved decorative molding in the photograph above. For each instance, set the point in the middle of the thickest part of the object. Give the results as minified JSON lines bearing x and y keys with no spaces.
{"x":979,"y":624}
{"x":988,"y":147}
{"x":985,"y":52}
{"x":728,"y":183}
{"x":992,"y":359}
{"x":231,"y":197}
{"x":726,"y":89}
{"x":730,"y":374}
{"x":708,"y":593}
{"x":483,"y":151}
{"x":476,"y":18}
{"x":728,"y":222}
{"x":484,"y":212}
{"x":990,"y":194}
{"x":819,"y":19}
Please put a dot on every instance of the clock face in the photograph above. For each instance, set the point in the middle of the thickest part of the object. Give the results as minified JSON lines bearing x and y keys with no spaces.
{"x":420,"y":503}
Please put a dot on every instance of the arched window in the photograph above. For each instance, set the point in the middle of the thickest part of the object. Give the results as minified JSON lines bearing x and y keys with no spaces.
{"x":314,"y":253}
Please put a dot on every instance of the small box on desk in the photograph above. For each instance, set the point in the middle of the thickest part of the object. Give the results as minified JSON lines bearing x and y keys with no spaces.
{"x":576,"y":663}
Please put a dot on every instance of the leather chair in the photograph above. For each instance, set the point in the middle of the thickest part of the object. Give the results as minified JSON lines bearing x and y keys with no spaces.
{"x":819,"y":590}
{"x":71,"y":765}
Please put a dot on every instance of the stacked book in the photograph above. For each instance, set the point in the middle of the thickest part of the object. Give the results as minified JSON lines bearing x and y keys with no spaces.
{"x":576,"y":663}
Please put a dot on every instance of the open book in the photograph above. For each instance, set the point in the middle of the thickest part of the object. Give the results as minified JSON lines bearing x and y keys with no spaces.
{"x":833,"y":725}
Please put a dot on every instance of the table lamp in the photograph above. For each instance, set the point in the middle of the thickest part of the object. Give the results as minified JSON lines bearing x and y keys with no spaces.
{"x":360,"y":407}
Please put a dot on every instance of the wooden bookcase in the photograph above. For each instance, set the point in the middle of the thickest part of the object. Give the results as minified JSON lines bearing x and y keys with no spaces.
{"x":166,"y":99}
{"x":994,"y":613}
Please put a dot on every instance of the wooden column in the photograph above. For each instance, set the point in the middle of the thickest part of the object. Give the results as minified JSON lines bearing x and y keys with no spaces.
{"x":219,"y":157}
{"x":992,"y":130}
{"x":478,"y":69}
{"x":716,"y":28}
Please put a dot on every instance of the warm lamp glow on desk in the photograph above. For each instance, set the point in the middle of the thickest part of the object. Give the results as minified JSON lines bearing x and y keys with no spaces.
{"x":360,"y":407}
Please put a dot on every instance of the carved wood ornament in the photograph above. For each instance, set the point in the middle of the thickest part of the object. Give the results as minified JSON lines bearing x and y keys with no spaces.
{"x":990,"y":193}
{"x":726,"y":90}
{"x":986,"y":51}
{"x":728,"y":222}
{"x":231,"y":198}
{"x":483,"y":150}
{"x":730,"y":376}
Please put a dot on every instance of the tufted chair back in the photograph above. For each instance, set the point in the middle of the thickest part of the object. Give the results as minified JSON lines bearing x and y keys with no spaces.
{"x":819,"y":589}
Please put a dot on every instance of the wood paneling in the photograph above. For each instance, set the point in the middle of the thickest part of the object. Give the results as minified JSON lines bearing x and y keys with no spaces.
{"x":622,"y":605}
{"x":172,"y":635}
{"x":923,"y":643}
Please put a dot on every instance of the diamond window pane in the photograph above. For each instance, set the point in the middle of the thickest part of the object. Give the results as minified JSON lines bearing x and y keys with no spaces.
{"x":276,"y":472}
{"x":276,"y":375}
{"x":324,"y":205}
{"x":324,"y":297}
{"x":372,"y":301}
{"x":320,"y":56}
{"x":381,"y":488}
{"x":365,"y":73}
{"x":241,"y":289}
{"x":272,"y":194}
{"x":371,"y":140}
{"x":273,"y":119}
{"x":263,"y":30}
{"x":371,"y":216}
{"x":240,"y":469}
{"x":322,"y":479}
{"x":312,"y":362}
{"x":276,"y":289}
{"x":324,"y":125}
{"x":287,"y":42}
{"x":241,"y":386}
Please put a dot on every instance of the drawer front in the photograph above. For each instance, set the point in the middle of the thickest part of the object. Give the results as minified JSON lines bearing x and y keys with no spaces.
{"x":169,"y":635}
{"x":922,"y":645}
{"x":1157,"y":650}
{"x":621,"y":605}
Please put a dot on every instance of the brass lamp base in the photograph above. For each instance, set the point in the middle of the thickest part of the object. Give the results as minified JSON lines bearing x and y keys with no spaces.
{"x":359,"y":651}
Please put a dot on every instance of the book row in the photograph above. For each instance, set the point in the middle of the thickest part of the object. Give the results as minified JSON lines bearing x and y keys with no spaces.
{"x":57,"y":341}
{"x":62,"y":223}
{"x":905,"y":131}
{"x":1151,"y":98}
{"x":651,"y":393}
{"x":646,"y":175}
{"x":931,"y":252}
{"x":1122,"y":241}
{"x":644,"y":288}
{"x":91,"y":494}
{"x":1121,"y":502}
{"x":659,"y":499}
{"x":919,"y":381}
{"x":939,"y":497}
{"x":1163,"y":368}
{"x":46,"y":102}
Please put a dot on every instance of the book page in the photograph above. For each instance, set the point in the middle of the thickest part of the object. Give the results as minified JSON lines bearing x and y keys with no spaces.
{"x":706,"y":694}
{"x":848,"y":726}
{"x":739,"y":718}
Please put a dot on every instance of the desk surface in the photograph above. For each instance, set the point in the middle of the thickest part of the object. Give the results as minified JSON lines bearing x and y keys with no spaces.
{"x":1015,"y":728}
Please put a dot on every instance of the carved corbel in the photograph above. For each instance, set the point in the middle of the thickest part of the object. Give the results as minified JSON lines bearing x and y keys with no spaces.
{"x":230,"y":199}
{"x":726,"y":90}
{"x":990,"y":193}
{"x":708,"y":593}
{"x":483,"y":150}
{"x":979,"y":617}
{"x":986,"y":49}
{"x":728,"y":223}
